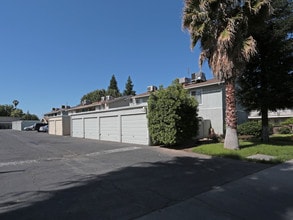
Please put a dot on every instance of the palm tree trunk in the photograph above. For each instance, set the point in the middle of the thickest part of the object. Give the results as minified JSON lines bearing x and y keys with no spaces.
{"x":265,"y":125}
{"x":231,"y":138}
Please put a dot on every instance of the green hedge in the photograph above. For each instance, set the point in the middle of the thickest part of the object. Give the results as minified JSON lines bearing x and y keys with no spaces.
{"x":284,"y":130}
{"x":172,"y":115}
{"x":287,"y":121}
{"x":250,"y":128}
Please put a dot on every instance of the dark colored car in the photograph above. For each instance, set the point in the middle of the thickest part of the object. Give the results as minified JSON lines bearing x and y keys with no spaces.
{"x":38,"y":125}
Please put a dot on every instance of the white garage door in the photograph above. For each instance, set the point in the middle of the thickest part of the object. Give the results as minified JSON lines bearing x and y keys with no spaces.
{"x":109,"y":128}
{"x":135,"y":129}
{"x":77,"y":128}
{"x":58,"y":127}
{"x":52,"y":129}
{"x":91,"y":128}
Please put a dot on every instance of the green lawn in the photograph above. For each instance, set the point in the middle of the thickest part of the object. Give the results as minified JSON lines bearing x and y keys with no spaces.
{"x":279,"y":146}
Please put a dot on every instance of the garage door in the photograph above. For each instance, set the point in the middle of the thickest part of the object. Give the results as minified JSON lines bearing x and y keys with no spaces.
{"x":91,"y":128}
{"x":77,"y":128}
{"x":135,"y":129}
{"x":52,"y":127}
{"x":58,"y":127}
{"x":109,"y":128}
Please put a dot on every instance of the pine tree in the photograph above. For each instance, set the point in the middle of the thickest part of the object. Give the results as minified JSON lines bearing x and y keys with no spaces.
{"x":113,"y":89}
{"x":267,"y":83}
{"x":128,"y":87}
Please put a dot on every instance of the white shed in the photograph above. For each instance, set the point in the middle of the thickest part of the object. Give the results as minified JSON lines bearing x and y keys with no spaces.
{"x":21,"y":124}
{"x":125,"y":124}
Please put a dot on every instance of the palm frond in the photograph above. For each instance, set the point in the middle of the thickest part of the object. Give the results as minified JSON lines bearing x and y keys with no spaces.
{"x":221,"y":64}
{"x":256,"y":5}
{"x":202,"y":58}
{"x":248,"y":48}
{"x":221,"y":27}
{"x":195,"y":17}
{"x":227,"y":36}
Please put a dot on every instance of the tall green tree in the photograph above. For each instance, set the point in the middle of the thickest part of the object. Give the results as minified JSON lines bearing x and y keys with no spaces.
{"x":222,"y":27}
{"x":11,"y":111}
{"x":18,"y":113}
{"x":267,"y":83}
{"x":94,"y":96}
{"x":129,"y":87}
{"x":172,"y":115}
{"x":29,"y":116}
{"x":113,"y":89}
{"x":5,"y":110}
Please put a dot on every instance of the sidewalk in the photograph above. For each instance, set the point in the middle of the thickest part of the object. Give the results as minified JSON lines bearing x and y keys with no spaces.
{"x":267,"y":194}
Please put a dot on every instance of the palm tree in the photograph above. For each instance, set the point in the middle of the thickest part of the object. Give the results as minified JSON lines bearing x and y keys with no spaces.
{"x":15,"y":103}
{"x":222,"y":28}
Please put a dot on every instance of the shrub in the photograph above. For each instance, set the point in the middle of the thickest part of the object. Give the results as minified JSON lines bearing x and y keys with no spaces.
{"x":172,"y":115}
{"x":284,"y":130}
{"x":250,"y":128}
{"x":287,"y":121}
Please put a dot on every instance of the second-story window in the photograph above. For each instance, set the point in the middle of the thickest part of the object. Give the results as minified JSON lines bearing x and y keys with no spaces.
{"x":197,"y":94}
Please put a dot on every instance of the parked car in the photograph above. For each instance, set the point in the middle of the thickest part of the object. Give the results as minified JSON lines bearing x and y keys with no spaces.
{"x":44,"y":128}
{"x":29,"y":128}
{"x":38,"y":125}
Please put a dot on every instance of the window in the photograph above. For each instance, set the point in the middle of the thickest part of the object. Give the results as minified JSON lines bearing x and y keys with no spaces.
{"x":197,"y":94}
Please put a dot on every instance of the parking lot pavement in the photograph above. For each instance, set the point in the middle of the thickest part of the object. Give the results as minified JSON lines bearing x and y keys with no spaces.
{"x":267,"y":194}
{"x":30,"y":145}
{"x":52,"y":177}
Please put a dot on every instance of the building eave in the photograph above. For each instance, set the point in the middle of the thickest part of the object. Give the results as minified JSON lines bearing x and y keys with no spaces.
{"x":210,"y":82}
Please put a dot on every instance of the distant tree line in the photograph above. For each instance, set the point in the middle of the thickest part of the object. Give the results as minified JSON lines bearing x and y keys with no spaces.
{"x":112,"y":90}
{"x":13,"y":111}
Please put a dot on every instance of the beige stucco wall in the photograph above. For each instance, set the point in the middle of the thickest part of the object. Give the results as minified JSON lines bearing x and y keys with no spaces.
{"x":59,"y":125}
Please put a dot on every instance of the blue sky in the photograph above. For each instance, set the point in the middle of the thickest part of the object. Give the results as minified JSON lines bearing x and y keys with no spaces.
{"x":52,"y":52}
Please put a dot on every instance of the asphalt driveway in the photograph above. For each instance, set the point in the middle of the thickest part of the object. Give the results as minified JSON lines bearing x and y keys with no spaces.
{"x":52,"y":177}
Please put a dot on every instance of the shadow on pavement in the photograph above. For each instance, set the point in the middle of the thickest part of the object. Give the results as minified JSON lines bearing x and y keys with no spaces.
{"x":129,"y":192}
